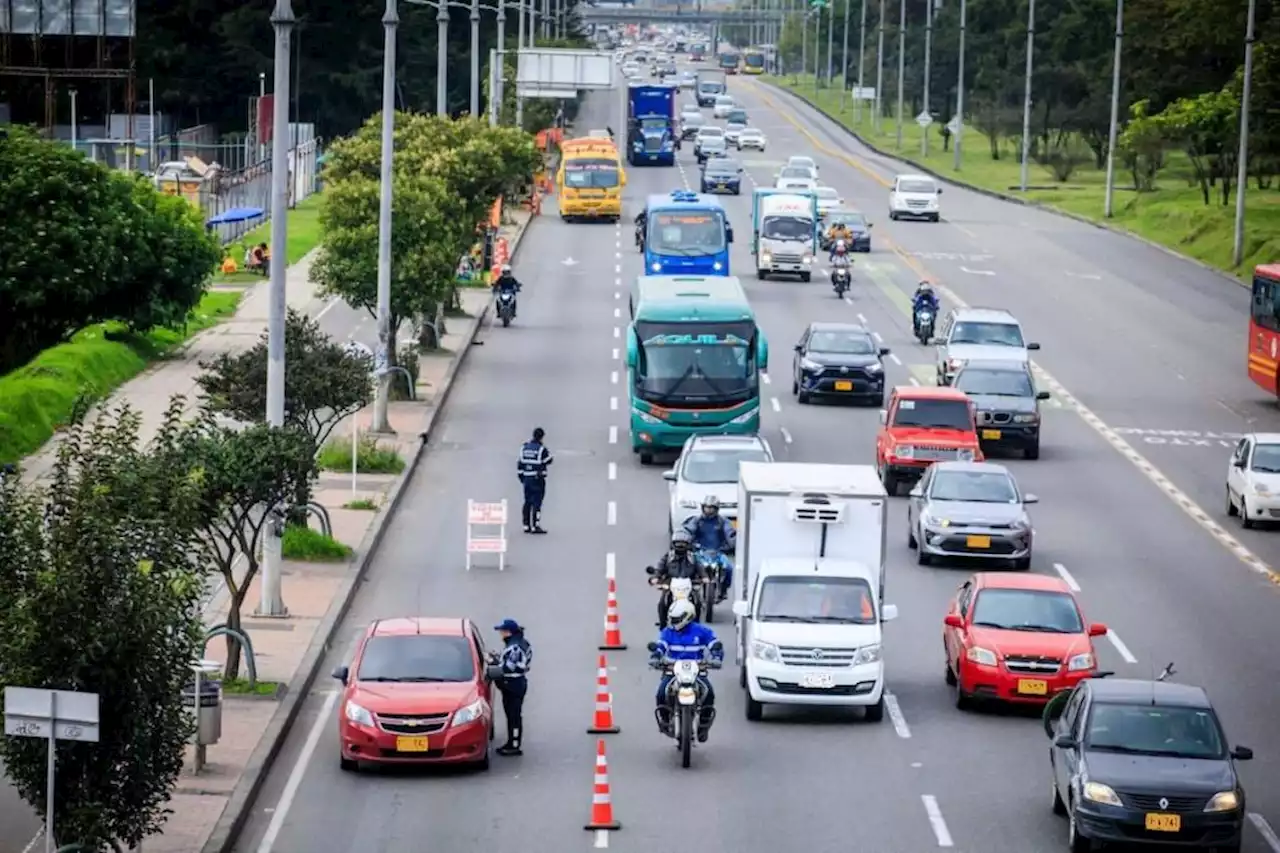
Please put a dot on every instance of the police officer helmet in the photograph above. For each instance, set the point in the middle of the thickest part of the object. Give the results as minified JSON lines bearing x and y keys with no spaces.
{"x":681,"y":540}
{"x":681,"y":614}
{"x":924,"y":287}
{"x":506,"y":269}
{"x":711,"y":502}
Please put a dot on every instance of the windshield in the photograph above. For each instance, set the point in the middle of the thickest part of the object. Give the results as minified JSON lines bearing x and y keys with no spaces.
{"x":720,"y":167}
{"x":999,"y":383}
{"x":706,"y":133}
{"x":653,"y":124}
{"x":718,"y":466}
{"x":590,"y":174}
{"x":696,"y":361}
{"x":724,"y":101}
{"x":786,"y":228}
{"x":844,"y":601}
{"x":691,"y":234}
{"x":1027,"y":610}
{"x":1266,"y":458}
{"x":991,"y":334}
{"x":844,"y":343}
{"x":735,"y":126}
{"x":1175,"y":731}
{"x":738,"y":116}
{"x":803,"y":173}
{"x":917,"y":187}
{"x":755,"y":60}
{"x":936,"y":414}
{"x":417,"y":657}
{"x":987,"y":487}
{"x":827,"y":194}
{"x":802,"y":162}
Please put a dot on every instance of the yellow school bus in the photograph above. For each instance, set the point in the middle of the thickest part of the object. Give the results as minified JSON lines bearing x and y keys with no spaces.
{"x":590,"y":179}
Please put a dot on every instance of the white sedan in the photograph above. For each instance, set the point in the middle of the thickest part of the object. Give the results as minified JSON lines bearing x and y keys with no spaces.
{"x":828,"y":200}
{"x":1253,"y":479}
{"x":732,"y":131}
{"x":804,"y":163}
{"x":708,"y":465}
{"x":752,"y":137}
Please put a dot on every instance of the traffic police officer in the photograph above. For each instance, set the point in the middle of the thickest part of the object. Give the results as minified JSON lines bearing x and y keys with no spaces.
{"x":515,"y":660}
{"x":531,"y":468}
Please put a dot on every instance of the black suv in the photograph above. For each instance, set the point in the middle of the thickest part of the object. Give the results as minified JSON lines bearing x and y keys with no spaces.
{"x":1007,"y":402}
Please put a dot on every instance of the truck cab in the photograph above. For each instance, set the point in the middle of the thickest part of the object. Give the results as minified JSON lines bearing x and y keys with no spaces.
{"x":784,"y":232}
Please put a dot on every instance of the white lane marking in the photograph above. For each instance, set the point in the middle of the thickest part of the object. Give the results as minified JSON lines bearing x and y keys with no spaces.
{"x":612,"y":513}
{"x":613,"y":377}
{"x":617,"y":295}
{"x":879,"y":339}
{"x":895,"y":714}
{"x":1066,"y":576}
{"x":615,"y":353}
{"x":1121,"y":647}
{"x":773,"y":401}
{"x":914,"y":381}
{"x":328,"y":306}
{"x":976,"y":272}
{"x":618,"y":254}
{"x":602,"y":839}
{"x":617,"y":282}
{"x":765,"y":378}
{"x":613,"y":434}
{"x":31,"y":845}
{"x":617,"y":333}
{"x":1268,"y":834}
{"x":617,"y":267}
{"x":613,"y":470}
{"x":898,"y":361}
{"x":613,"y":404}
{"x":862,"y":319}
{"x":936,"y":820}
{"x":786,"y":435}
{"x":323,"y":721}
{"x":1085,"y":275}
{"x":610,"y":565}
{"x":617,"y":312}
{"x":848,"y":300}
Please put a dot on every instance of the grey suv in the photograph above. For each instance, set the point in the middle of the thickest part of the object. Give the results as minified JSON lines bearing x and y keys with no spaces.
{"x":1007,"y":402}
{"x":979,"y":334}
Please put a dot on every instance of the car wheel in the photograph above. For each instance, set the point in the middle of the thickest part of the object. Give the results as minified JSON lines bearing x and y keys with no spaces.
{"x":803,"y":397}
{"x":935,"y":218}
{"x":911,"y":535}
{"x":963,"y":702}
{"x":806,"y":276}
{"x":762,"y":274}
{"x":1058,"y":806}
{"x":893,"y":216}
{"x":949,"y":676}
{"x":1231,"y":505}
{"x":1032,"y":452}
{"x":923,"y":558}
{"x":875,"y":713}
{"x":1076,"y":842}
{"x":1245,"y":521}
{"x":742,"y":677}
{"x":1022,"y":564}
{"x":755,"y":710}
{"x":348,"y":765}
{"x":890,"y":482}
{"x":483,"y":764}
{"x":646,"y":458}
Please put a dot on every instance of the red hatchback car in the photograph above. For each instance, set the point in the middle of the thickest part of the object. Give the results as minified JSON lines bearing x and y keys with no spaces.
{"x":418,"y":692}
{"x":1016,"y":638}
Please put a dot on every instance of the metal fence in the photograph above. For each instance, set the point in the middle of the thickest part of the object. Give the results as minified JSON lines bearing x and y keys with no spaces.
{"x":251,"y":188}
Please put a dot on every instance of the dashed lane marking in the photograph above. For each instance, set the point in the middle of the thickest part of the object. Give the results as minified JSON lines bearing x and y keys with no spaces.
{"x":615,"y":353}
{"x":895,"y":359}
{"x":764,"y":377}
{"x":936,"y":821}
{"x":617,"y":333}
{"x":613,"y":435}
{"x":773,"y":401}
{"x":613,"y":470}
{"x":617,"y":312}
{"x":786,"y":434}
{"x":895,"y":715}
{"x":611,"y":513}
{"x":611,"y":565}
{"x":602,"y":839}
{"x":1066,"y":576}
{"x":613,"y":404}
{"x":613,"y":377}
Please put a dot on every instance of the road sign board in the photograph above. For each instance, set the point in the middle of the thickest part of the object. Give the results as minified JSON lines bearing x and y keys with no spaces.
{"x":486,"y":513}
{"x":924,"y":119}
{"x":866,"y":93}
{"x":954,"y":124}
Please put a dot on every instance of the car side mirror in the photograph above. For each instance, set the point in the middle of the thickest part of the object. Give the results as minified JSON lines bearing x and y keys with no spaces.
{"x":1239,"y":463}
{"x":1065,"y":742}
{"x":939,"y":190}
{"x":888,"y":613}
{"x":650,"y":570}
{"x":1033,"y":346}
{"x":669,"y":476}
{"x":953,"y":621}
{"x":493,"y":672}
{"x":728,"y":235}
{"x":342,"y":674}
{"x":1097,"y":629}
{"x":871,"y":225}
{"x":884,"y":416}
{"x":1043,"y":395}
{"x":884,"y":351}
{"x":916,"y":492}
{"x":652,"y":647}
{"x":1242,"y":753}
{"x":799,"y":347}
{"x":1030,"y":499}
{"x":740,"y":609}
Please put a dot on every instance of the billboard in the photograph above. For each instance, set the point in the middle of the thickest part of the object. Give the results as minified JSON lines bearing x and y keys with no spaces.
{"x":110,"y":18}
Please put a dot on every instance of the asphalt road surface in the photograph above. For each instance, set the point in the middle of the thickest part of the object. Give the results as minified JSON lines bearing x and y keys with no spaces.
{"x":1136,"y":346}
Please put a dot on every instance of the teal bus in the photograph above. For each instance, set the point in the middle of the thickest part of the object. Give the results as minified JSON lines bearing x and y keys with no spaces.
{"x":694,"y":359}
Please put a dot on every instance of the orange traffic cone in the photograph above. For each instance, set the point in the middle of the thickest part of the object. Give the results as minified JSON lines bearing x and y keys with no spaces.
{"x":612,"y":633}
{"x":603,"y":724}
{"x":601,"y":805}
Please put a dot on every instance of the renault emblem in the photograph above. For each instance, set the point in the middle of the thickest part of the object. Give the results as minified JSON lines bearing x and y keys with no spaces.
{"x":816,"y":654}
{"x":1164,"y":802}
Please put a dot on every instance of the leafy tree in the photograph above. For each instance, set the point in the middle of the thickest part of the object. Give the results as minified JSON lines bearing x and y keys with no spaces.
{"x":1207,"y":127}
{"x":100,"y":594}
{"x":1142,"y":144}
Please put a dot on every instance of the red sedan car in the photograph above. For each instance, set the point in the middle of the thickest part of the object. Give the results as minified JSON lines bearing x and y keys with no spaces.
{"x":418,"y":692}
{"x":1016,"y":638}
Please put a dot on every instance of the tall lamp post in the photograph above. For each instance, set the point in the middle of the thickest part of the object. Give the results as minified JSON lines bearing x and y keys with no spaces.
{"x":1026,"y":99}
{"x":955,"y":143}
{"x":500,"y":69}
{"x":475,"y":58}
{"x":902,"y":61}
{"x":1114,"y":130}
{"x":442,"y":59}
{"x":386,"y":335}
{"x":1242,"y":165}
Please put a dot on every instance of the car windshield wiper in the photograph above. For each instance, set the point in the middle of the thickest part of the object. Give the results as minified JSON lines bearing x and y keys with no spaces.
{"x":423,"y":678}
{"x":1265,"y":470}
{"x":992,"y":625}
{"x":378,"y":678}
{"x":1126,"y":750}
{"x":1047,"y":629}
{"x":840,"y":620}
{"x":778,"y":617}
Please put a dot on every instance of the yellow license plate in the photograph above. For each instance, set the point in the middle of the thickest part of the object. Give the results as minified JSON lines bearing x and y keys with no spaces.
{"x":1164,"y":822}
{"x":978,"y":541}
{"x":733,"y":522}
{"x":722,"y":186}
{"x":991,"y":434}
{"x":844,"y":386}
{"x":411,"y":744}
{"x":1033,"y":687}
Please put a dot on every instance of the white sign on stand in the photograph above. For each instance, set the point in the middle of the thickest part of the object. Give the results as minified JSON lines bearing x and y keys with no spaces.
{"x":866,"y":93}
{"x":487,"y":515}
{"x":924,"y":119}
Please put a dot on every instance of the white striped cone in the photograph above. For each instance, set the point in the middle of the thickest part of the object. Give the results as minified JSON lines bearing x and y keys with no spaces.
{"x":612,"y":633}
{"x":601,"y":804}
{"x":603,"y":722}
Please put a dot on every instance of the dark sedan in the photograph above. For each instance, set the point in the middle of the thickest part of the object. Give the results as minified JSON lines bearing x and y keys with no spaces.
{"x":722,"y":175}
{"x":1008,"y":405}
{"x":858,"y":226}
{"x":838,"y":360}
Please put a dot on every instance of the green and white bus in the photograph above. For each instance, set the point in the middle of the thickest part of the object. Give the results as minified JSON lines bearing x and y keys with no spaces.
{"x":694,"y":358}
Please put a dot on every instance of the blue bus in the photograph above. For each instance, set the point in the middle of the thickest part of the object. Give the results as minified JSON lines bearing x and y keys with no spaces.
{"x":686,"y":234}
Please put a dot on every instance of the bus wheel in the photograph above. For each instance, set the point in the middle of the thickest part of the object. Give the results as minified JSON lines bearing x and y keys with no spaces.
{"x":646,"y":458}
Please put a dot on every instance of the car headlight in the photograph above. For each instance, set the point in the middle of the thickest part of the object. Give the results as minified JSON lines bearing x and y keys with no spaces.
{"x":933,"y":521}
{"x":981,"y":656}
{"x":1025,"y":419}
{"x":646,"y":417}
{"x":1097,"y":792}
{"x":358,"y":714}
{"x":1261,"y":489}
{"x":866,"y":654}
{"x":1021,"y":524}
{"x":469,"y":713}
{"x":1224,"y":801}
{"x":656,"y":266}
{"x":806,"y":260}
{"x":746,"y":416}
{"x":765,"y":652}
{"x":765,"y":256}
{"x":1081,"y":661}
{"x":903,"y":451}
{"x":806,"y":364}
{"x":874,"y":368}
{"x":964,"y":455}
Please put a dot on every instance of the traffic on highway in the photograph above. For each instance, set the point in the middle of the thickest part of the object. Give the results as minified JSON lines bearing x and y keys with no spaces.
{"x":994,"y":572}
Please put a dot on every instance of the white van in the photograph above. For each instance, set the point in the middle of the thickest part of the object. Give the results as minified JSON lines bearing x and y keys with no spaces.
{"x":914,"y":197}
{"x":724,"y":105}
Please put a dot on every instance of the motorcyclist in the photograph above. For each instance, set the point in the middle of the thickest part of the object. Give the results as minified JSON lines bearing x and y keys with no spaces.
{"x":837,"y":232}
{"x":507,"y":283}
{"x":923,"y":298}
{"x":684,"y":638}
{"x":712,"y":532}
{"x":642,"y":221}
{"x":839,"y":253}
{"x":676,"y":563}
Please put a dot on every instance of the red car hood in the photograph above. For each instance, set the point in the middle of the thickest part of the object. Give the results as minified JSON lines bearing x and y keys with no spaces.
{"x":953,"y":437}
{"x":413,"y":697}
{"x":1030,"y":643}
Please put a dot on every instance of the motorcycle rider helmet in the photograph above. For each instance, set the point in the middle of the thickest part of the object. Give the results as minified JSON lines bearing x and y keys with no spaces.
{"x":924,"y":288}
{"x":506,"y":269}
{"x":840,"y":247}
{"x":710,"y":505}
{"x":680,"y":614}
{"x":681,"y":541}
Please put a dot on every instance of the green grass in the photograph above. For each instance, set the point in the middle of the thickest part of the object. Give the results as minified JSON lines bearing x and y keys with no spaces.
{"x":241,"y":687}
{"x":303,"y":543}
{"x":362,"y":503}
{"x":37,"y":399}
{"x":304,"y":235}
{"x":371,"y":457}
{"x":1174,"y":214}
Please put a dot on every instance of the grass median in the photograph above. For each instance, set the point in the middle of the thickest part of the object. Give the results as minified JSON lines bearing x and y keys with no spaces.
{"x":1173,"y":215}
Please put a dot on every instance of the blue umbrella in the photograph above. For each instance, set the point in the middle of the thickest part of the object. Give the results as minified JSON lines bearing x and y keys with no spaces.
{"x":237,"y":214}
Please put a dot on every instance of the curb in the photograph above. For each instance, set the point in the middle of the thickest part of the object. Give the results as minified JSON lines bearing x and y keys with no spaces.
{"x":996,"y":194}
{"x":235,"y":814}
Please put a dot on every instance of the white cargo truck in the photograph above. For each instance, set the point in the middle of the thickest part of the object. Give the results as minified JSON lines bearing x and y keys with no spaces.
{"x":810,"y":578}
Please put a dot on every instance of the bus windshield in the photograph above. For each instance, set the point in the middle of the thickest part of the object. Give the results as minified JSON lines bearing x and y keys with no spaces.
{"x":590,"y":174}
{"x":695,"y":361}
{"x":754,"y":60}
{"x":688,"y":234}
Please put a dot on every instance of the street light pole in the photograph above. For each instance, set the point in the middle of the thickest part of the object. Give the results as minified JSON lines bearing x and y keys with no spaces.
{"x":844,"y":55}
{"x":271,"y":601}
{"x":831,"y":34}
{"x":955,"y":143}
{"x":519,"y":50}
{"x":262,"y":93}
{"x":1113,"y":132}
{"x":386,"y":334}
{"x":928,"y":60}
{"x":1026,"y":100}
{"x":902,"y":61}
{"x":1242,"y":167}
{"x":75,"y":127}
{"x":475,"y":58}
{"x":499,"y":90}
{"x":442,"y":59}
{"x":862,"y":56}
{"x":817,"y":49}
{"x":880,"y":71}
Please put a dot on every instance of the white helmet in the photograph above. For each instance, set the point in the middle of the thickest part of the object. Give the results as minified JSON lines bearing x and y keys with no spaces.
{"x":681,"y":614}
{"x":506,"y":269}
{"x":839,"y":245}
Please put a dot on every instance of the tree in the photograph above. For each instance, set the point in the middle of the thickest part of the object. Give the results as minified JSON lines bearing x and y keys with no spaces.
{"x":1141,"y":144}
{"x":100,"y":594}
{"x":1207,"y":127}
{"x":246,"y":477}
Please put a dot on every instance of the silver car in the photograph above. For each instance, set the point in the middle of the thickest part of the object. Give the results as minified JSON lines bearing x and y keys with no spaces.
{"x":970,"y":510}
{"x":979,"y":334}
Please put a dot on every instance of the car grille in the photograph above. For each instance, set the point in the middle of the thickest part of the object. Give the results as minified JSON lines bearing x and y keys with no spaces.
{"x":961,"y":526}
{"x":412,"y":724}
{"x":809,"y":656}
{"x":842,"y":373}
{"x":786,"y":258}
{"x":653,"y":143}
{"x":994,"y":417}
{"x":797,"y":690}
{"x":1033,"y":665}
{"x":936,"y":454}
{"x":959,"y":544}
{"x":1151,"y":802}
{"x":395,"y":753}
{"x":919,"y":205}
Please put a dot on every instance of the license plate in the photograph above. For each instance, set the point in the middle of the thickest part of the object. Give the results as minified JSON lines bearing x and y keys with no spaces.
{"x":991,"y":434}
{"x":417,"y":743}
{"x":1033,"y":687}
{"x":733,"y":522}
{"x":722,"y":186}
{"x":978,"y":541}
{"x":818,"y":679}
{"x":1164,"y":822}
{"x":844,"y":386}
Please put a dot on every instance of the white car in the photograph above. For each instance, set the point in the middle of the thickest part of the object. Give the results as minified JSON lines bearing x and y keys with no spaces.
{"x":708,"y":465}
{"x":631,"y":69}
{"x":800,"y":185}
{"x":914,"y":197}
{"x":724,"y":105}
{"x":804,"y":163}
{"x":828,"y":200}
{"x":599,"y":134}
{"x":752,"y":137}
{"x":1253,"y":479}
{"x":732,"y":131}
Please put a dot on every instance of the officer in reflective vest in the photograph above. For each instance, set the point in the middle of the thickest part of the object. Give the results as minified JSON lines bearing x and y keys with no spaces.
{"x":531,"y":468}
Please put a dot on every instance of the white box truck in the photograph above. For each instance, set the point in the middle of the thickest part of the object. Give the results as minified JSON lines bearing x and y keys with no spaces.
{"x":811,"y":577}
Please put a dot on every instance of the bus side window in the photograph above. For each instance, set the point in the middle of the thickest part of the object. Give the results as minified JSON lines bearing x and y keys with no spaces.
{"x":1265,"y":310}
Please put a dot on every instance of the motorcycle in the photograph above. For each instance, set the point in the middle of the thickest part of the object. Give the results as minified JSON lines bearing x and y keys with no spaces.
{"x":640,"y":236}
{"x":924,"y":325}
{"x":712,"y":565}
{"x":671,"y":591}
{"x":685,"y":697}
{"x":841,"y":278}
{"x":506,"y":307}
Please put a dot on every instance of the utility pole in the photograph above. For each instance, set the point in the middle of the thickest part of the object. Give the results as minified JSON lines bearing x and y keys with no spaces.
{"x":75,"y":126}
{"x":831,"y":32}
{"x":817,"y":46}
{"x":475,"y":58}
{"x":1113,"y":132}
{"x":928,"y":59}
{"x":902,"y":61}
{"x":844,"y":55}
{"x":519,"y":51}
{"x":442,"y":58}
{"x":1242,"y":168}
{"x":1026,"y":100}
{"x":959,"y":132}
{"x":862,"y":55}
{"x":499,"y":89}
{"x":880,"y":72}
{"x":386,"y":334}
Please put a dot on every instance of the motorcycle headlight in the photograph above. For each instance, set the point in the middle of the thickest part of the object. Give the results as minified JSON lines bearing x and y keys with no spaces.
{"x":469,"y":713}
{"x":1224,"y":801}
{"x":964,"y":455}
{"x":358,"y":714}
{"x":981,"y":656}
{"x":806,"y":364}
{"x":1099,"y":793}
{"x":866,"y":654}
{"x":767,"y":652}
{"x":1081,"y":662}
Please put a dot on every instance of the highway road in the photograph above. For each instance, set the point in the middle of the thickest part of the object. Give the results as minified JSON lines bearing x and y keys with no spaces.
{"x":1136,"y":346}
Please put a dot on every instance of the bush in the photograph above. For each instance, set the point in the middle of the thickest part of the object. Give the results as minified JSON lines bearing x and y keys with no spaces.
{"x":303,"y":543}
{"x":371,"y":457}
